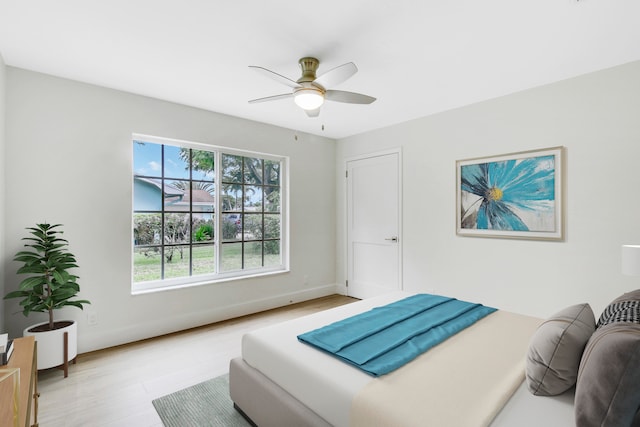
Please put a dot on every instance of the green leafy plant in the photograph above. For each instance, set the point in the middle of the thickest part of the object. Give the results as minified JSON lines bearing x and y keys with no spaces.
{"x":203,"y":233}
{"x":50,"y":285}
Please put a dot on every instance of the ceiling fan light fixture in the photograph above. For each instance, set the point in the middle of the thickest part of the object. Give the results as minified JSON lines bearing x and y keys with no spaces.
{"x":309,"y":92}
{"x":308,"y":98}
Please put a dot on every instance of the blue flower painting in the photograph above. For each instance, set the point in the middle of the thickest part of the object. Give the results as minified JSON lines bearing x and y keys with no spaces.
{"x":514,"y":194}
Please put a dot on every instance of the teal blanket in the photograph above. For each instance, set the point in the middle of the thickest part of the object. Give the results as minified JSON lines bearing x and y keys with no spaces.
{"x":385,"y":338}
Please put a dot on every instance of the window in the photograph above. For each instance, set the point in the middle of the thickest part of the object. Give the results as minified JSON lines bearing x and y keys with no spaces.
{"x":203,"y":213}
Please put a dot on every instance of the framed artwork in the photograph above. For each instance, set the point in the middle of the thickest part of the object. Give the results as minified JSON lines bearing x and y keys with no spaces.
{"x":517,"y":195}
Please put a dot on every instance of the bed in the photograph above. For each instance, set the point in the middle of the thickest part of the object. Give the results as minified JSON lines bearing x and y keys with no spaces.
{"x":475,"y":379}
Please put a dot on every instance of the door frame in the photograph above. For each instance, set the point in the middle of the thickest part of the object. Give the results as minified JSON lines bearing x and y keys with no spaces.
{"x":345,"y":214}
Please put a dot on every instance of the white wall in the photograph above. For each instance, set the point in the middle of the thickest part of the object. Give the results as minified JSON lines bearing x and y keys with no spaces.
{"x":69,"y":160}
{"x":3,"y":263}
{"x":596,"y":117}
{"x":68,"y":147}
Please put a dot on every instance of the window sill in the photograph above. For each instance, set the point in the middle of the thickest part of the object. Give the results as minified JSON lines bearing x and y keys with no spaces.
{"x":153,"y":287}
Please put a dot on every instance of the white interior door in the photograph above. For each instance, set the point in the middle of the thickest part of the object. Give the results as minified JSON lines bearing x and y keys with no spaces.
{"x":373,"y":225}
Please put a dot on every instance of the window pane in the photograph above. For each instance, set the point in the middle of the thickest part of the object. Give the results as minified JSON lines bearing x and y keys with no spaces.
{"x":231,"y":168}
{"x":272,"y":226}
{"x":272,"y":253}
{"x":176,"y":228}
{"x":231,"y":227}
{"x":253,"y":198}
{"x":231,"y":197}
{"x":203,"y":195}
{"x":147,"y":264}
{"x":203,"y":259}
{"x":202,"y":163}
{"x":231,"y":258}
{"x":253,"y":255}
{"x":176,"y":261}
{"x":203,"y":229}
{"x":252,"y":226}
{"x":272,"y":199}
{"x":147,"y":159}
{"x":176,"y":195}
{"x":271,"y":172}
{"x":147,"y":195}
{"x":252,"y":170}
{"x":176,"y":162}
{"x":147,"y":229}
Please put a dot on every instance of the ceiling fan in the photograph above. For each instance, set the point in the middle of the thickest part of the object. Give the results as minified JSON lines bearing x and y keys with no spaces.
{"x":309,"y":92}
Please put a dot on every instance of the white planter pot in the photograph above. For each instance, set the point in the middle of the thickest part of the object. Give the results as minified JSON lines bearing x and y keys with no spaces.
{"x":51,"y":344}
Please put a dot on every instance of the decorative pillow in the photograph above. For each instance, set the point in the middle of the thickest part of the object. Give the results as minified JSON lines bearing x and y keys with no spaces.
{"x":556,"y":348}
{"x":625,"y":308}
{"x":609,"y":378}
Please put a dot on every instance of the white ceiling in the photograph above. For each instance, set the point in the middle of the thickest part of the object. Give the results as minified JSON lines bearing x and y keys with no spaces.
{"x":418,"y":57}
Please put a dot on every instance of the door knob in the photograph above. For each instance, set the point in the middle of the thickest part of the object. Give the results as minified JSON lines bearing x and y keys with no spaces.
{"x":392,"y":239}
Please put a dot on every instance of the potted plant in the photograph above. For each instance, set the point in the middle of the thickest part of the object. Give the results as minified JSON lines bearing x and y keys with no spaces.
{"x":49,"y":286}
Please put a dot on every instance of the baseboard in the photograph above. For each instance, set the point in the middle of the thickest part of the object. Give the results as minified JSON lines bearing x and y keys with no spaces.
{"x":157,"y":327}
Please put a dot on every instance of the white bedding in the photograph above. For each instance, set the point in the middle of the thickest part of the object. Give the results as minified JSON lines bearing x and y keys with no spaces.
{"x":462,"y":382}
{"x":328,"y":386}
{"x":526,"y":410}
{"x":305,"y":372}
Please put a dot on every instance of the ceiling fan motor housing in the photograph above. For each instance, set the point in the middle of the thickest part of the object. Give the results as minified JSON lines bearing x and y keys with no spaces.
{"x":309,"y":67}
{"x":313,"y":92}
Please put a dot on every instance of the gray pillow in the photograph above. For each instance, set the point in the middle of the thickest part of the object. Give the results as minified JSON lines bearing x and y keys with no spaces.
{"x":608,"y":388}
{"x":555,"y":350}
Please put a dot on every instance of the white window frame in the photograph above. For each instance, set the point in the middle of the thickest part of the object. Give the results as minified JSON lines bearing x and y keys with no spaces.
{"x":205,"y":279}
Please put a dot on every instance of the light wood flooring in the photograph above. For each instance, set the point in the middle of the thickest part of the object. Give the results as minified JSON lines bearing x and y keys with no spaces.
{"x":115,"y":387}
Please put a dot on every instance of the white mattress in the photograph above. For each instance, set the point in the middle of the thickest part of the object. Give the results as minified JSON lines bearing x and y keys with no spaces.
{"x":327,"y":386}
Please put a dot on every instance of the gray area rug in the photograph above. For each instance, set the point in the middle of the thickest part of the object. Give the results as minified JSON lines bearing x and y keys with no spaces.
{"x":202,"y":405}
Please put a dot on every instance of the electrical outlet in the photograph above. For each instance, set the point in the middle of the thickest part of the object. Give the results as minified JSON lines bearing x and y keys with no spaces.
{"x":92,"y":318}
{"x":306,"y":279}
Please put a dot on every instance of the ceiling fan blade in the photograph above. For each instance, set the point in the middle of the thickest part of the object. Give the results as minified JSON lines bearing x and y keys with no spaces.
{"x":348,"y":97}
{"x":337,"y":75}
{"x":313,"y":113}
{"x":271,"y":98}
{"x":277,"y":77}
